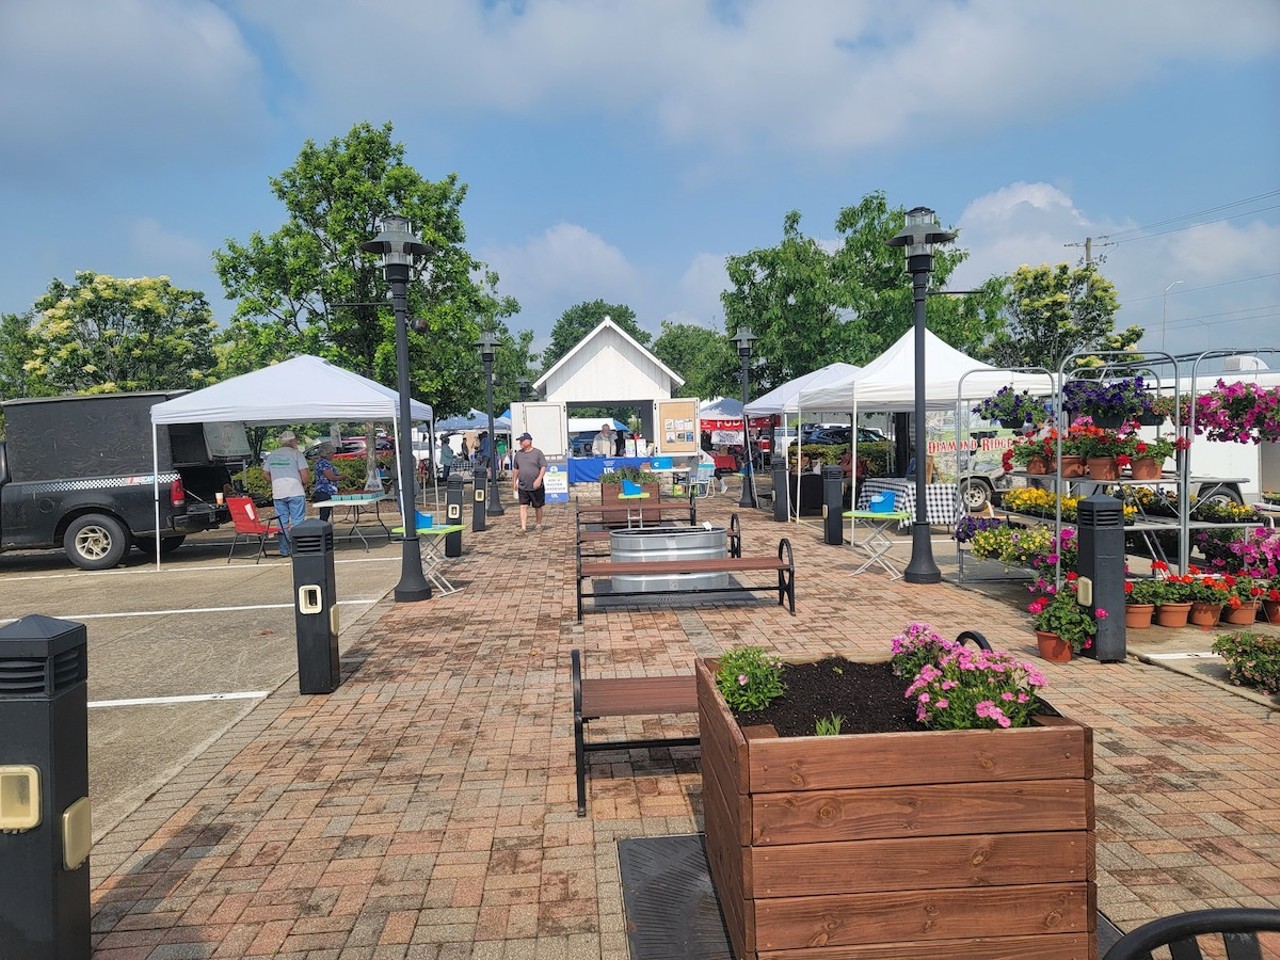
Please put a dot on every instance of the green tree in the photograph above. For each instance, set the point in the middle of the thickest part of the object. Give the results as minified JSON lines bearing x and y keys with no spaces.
{"x":16,"y":345}
{"x":104,"y":334}
{"x":580,"y":319}
{"x":809,"y":306}
{"x":310,"y":288}
{"x":705,"y":358}
{"x":1050,"y":312}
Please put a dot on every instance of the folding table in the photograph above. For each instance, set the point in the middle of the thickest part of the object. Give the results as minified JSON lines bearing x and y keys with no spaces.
{"x":877,"y":542}
{"x":356,"y":504}
{"x":431,"y":547}
{"x":628,"y":497}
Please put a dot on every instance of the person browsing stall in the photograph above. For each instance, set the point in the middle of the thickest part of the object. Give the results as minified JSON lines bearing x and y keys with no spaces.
{"x":446,"y":458}
{"x":326,"y":486}
{"x":602,"y":445}
{"x":528,"y":470}
{"x":286,"y":468}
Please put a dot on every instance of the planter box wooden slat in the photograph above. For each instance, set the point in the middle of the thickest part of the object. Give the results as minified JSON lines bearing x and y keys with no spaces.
{"x":926,"y":810}
{"x":957,"y":844}
{"x":924,"y":862}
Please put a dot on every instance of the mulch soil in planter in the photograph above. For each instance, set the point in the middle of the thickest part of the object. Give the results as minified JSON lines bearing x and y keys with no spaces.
{"x":867,"y":696}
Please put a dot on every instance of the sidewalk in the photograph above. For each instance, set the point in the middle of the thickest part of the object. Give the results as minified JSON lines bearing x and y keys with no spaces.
{"x":426,"y":809}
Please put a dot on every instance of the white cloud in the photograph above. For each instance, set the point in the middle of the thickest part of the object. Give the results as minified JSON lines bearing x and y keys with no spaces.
{"x":88,"y":83}
{"x":158,"y":250}
{"x":698,"y":292}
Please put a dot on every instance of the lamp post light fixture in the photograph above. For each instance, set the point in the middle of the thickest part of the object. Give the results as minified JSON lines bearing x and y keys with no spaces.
{"x":744,"y":340}
{"x":487,"y":344}
{"x":920,"y":235}
{"x":399,"y":249}
{"x":522,"y":384}
{"x":1164,"y":311}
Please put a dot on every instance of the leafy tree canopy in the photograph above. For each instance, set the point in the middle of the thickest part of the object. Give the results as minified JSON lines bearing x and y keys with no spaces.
{"x":580,"y":319}
{"x":705,"y":358}
{"x":1051,"y":312}
{"x":308,"y":287}
{"x":809,"y":306}
{"x":104,"y":334}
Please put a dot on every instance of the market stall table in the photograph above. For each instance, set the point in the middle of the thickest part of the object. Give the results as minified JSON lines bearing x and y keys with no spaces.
{"x":941,"y":506}
{"x":357,"y":505}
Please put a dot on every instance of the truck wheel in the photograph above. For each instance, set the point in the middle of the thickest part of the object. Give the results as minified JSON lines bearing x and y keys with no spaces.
{"x":95,"y":541}
{"x":975,"y":494}
{"x":167,"y":545}
{"x":1219,"y":494}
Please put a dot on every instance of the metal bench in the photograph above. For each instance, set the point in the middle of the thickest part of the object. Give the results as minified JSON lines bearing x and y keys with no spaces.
{"x":783,"y":565}
{"x":1239,"y":927}
{"x":625,"y":697}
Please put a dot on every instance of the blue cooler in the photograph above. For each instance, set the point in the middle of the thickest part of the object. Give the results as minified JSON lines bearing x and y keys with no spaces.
{"x":424,"y":520}
{"x":630,"y":488}
{"x":882,"y":502}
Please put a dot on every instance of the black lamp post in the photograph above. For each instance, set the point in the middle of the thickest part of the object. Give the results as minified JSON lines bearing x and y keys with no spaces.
{"x":399,"y":247}
{"x":486,"y":345}
{"x":522,"y":384}
{"x":921,"y":233}
{"x":744,"y":340}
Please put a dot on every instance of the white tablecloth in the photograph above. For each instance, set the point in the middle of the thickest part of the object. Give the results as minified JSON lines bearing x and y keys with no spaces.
{"x":940,"y":498}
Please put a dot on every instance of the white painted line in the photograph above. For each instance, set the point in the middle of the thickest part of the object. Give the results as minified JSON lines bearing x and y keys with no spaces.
{"x":192,"y":698}
{"x":181,"y":568}
{"x":168,"y":613}
{"x":1183,"y":656}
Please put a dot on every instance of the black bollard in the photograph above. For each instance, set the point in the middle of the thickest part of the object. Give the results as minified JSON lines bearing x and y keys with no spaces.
{"x":45,"y":826}
{"x":453,"y":517}
{"x":781,"y":490}
{"x":478,"y":486}
{"x":1101,"y":531}
{"x":315,"y":593}
{"x":832,"y":505}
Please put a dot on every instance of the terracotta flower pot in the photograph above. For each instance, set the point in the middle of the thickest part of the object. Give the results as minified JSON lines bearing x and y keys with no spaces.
{"x":1037,"y":466}
{"x":1173,"y":614}
{"x":1052,"y":647}
{"x":1148,"y":468}
{"x":1103,"y":468}
{"x":1072,"y":466}
{"x":1242,"y":615}
{"x":1271,"y":610}
{"x":1204,"y":613}
{"x":1137,"y":616}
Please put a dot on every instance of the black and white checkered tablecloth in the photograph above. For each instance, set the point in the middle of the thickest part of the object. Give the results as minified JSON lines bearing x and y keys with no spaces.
{"x":940,"y":499}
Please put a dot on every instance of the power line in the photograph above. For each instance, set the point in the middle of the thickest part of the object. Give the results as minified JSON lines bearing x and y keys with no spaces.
{"x":1198,"y":213}
{"x":1208,"y":286}
{"x":1191,"y":226}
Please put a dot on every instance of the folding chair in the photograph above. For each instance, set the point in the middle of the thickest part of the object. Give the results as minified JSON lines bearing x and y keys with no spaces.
{"x":704,"y":480}
{"x":245,"y":517}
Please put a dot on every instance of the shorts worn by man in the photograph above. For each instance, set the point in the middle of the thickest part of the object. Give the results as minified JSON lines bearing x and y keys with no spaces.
{"x":286,"y":468}
{"x":529,"y":469}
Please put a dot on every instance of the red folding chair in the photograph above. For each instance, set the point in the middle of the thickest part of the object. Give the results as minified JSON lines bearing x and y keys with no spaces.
{"x":245,"y":516}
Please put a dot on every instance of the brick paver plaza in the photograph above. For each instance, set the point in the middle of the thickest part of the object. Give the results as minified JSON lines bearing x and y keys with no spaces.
{"x":426,"y":808}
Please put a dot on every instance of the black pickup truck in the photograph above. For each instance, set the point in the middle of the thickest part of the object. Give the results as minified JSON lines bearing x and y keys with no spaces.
{"x":77,"y":472}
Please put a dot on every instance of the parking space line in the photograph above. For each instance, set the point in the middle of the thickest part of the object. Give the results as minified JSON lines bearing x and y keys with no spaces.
{"x":190,"y":698}
{"x":183,"y":568}
{"x":169,"y":613}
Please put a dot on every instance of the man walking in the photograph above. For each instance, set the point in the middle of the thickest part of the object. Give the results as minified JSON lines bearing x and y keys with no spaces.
{"x":286,"y":468}
{"x":528,"y":469}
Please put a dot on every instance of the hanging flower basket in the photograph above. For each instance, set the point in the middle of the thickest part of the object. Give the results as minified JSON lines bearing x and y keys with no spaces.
{"x":1239,"y":413}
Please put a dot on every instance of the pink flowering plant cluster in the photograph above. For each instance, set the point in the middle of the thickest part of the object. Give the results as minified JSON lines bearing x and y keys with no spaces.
{"x":749,"y":679}
{"x":1256,"y":553}
{"x":917,"y":645}
{"x":1239,"y":413}
{"x":1059,"y":612}
{"x":967,"y":688}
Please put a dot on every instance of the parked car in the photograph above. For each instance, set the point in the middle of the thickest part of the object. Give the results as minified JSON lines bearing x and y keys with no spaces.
{"x":353,"y":447}
{"x":840,"y":435}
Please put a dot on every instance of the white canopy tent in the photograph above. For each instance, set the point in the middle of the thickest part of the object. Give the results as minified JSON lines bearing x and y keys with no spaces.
{"x":301,"y":390}
{"x":888,"y":383}
{"x":784,"y":399}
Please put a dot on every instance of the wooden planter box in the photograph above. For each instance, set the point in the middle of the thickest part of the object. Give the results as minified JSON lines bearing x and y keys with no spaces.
{"x":970,"y":845}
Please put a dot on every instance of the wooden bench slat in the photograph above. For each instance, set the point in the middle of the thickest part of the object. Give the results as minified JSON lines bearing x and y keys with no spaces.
{"x":638,"y":696}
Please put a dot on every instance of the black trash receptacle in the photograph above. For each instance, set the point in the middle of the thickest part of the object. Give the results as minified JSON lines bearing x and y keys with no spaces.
{"x":478,"y":490}
{"x":45,"y":826}
{"x":315,"y":593}
{"x":781,"y":490}
{"x":1100,"y":523}
{"x":453,"y":517}
{"x":832,"y":505}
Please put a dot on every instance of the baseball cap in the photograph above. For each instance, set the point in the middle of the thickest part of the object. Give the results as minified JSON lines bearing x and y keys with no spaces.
{"x":524,"y":436}
{"x":286,"y":436}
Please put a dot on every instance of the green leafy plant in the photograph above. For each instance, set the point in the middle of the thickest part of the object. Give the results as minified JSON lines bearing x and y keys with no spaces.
{"x":828,"y":726}
{"x":1252,"y":659}
{"x":1060,"y":613}
{"x":634,"y":474}
{"x":749,"y":679}
{"x":1153,"y":590}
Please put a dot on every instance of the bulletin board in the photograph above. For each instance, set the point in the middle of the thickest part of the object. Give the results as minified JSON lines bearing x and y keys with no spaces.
{"x":675,"y":426}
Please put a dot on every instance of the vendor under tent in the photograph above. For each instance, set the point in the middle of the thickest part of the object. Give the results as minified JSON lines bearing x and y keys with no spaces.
{"x":304,"y":389}
{"x":887,"y":384}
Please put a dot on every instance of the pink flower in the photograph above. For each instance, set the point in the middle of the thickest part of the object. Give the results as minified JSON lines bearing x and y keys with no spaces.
{"x":942,"y":704}
{"x":742,"y":679}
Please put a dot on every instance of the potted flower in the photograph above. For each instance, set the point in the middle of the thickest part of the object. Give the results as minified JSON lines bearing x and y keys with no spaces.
{"x":1033,"y":454}
{"x":1271,"y":600}
{"x":1171,"y":593}
{"x":1145,"y":458}
{"x":1108,"y":403}
{"x":1098,"y":447}
{"x":1140,"y":599}
{"x":1242,"y":604}
{"x":787,"y":814}
{"x":1062,"y":624}
{"x":1208,"y":595}
{"x":1014,"y":409}
{"x":1239,"y":412}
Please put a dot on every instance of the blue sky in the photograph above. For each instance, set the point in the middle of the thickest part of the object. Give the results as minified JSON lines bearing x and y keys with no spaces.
{"x":623,"y":148}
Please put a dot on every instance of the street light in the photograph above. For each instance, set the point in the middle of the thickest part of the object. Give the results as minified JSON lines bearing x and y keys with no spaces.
{"x":919,"y":236}
{"x":486,"y":345}
{"x":399,"y":248}
{"x":522,"y":384}
{"x":744,"y":340}
{"x":1164,"y":311}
